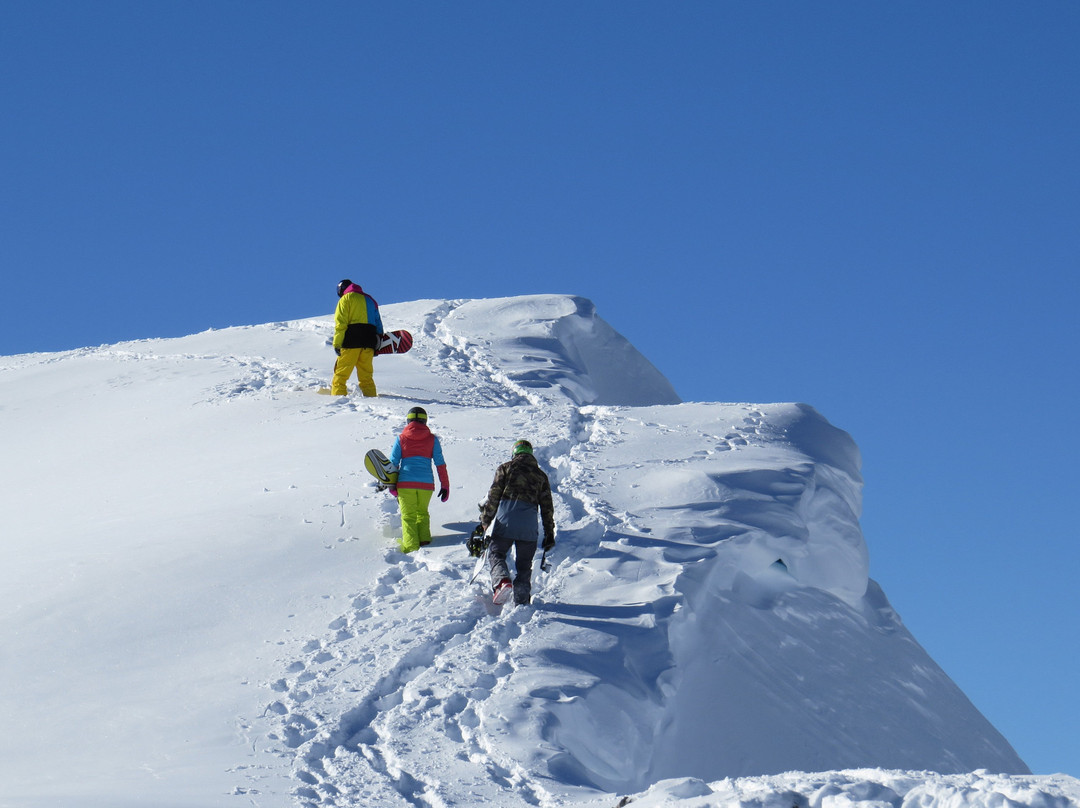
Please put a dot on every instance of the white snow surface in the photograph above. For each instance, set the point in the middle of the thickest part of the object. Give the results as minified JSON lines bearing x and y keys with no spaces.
{"x":202,"y":604}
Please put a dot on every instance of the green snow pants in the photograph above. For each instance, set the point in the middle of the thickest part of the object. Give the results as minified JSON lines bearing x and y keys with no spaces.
{"x":415,"y":522}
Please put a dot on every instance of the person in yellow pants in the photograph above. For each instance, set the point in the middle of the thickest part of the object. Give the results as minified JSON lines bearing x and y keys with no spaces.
{"x":362,"y":359}
{"x":415,"y":451}
{"x":358,"y":328}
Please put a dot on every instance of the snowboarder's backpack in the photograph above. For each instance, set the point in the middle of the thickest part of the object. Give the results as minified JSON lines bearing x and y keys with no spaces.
{"x":477,"y":542}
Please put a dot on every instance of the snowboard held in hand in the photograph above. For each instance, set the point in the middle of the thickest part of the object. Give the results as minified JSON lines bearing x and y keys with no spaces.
{"x":380,"y":467}
{"x":478,"y":545}
{"x":394,"y":342}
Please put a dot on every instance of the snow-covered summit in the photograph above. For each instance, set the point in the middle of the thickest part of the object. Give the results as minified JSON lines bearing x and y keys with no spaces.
{"x":203,"y":584}
{"x":543,"y":347}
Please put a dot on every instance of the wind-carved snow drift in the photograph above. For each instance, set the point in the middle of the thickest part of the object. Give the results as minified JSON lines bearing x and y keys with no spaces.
{"x":708,"y":613}
{"x":554,"y":347}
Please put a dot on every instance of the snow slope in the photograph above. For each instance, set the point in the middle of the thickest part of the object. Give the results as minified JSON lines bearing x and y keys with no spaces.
{"x":202,"y":605}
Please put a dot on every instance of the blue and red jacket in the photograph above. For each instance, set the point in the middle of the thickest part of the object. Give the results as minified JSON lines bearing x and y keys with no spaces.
{"x":415,"y":450}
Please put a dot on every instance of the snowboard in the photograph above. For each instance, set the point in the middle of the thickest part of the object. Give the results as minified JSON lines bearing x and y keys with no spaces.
{"x":479,"y":546}
{"x":394,"y":342}
{"x":481,"y":563}
{"x":380,"y":467}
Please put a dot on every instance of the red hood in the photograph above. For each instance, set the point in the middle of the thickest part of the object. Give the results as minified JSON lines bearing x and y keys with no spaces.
{"x":416,"y":429}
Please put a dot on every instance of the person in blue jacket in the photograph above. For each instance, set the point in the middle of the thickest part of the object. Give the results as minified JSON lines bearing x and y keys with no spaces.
{"x":415,"y":450}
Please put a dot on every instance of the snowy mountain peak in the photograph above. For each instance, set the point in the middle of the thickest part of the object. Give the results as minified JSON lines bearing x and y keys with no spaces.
{"x":217,"y":596}
{"x":543,"y":346}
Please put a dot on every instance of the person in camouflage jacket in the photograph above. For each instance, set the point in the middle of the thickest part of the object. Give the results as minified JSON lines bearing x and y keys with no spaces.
{"x":519,"y":490}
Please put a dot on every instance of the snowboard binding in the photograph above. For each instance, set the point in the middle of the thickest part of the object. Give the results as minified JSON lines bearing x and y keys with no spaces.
{"x":477,"y":542}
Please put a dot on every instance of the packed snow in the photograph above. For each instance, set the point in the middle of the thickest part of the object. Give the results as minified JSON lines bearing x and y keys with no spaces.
{"x":203,"y":603}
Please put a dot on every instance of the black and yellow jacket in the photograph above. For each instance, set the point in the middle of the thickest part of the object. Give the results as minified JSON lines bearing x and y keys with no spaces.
{"x":357,"y":322}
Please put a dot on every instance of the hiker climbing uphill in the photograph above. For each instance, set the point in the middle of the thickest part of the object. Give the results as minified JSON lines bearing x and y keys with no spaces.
{"x":415,"y":450}
{"x":520,"y":489}
{"x":357,"y":330}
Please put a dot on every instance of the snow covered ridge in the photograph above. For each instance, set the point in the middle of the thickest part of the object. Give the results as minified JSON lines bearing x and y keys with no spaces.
{"x":201,"y":580}
{"x":865,"y":788}
{"x":544,"y":346}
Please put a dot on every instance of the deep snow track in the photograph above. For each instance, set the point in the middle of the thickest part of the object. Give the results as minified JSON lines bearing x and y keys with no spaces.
{"x":402,"y":681}
{"x":338,"y":710}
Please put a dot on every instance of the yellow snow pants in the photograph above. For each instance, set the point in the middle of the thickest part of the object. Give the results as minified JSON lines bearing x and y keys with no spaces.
{"x":361,"y":359}
{"x":415,"y":521}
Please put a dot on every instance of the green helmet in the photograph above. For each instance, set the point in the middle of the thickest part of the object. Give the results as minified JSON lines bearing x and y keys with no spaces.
{"x":417,"y":414}
{"x":522,"y":447}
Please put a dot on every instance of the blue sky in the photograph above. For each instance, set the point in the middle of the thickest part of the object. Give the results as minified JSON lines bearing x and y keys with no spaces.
{"x":869,"y":207}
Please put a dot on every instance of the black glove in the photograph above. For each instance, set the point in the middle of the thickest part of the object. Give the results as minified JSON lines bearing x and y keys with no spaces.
{"x":444,"y":494}
{"x":337,"y":351}
{"x":549,"y":544}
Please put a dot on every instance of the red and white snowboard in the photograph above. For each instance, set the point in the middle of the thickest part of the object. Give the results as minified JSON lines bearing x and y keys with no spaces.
{"x":394,"y":342}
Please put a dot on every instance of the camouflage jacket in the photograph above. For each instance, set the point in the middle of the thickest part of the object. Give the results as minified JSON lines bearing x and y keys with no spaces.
{"x":520,"y":488}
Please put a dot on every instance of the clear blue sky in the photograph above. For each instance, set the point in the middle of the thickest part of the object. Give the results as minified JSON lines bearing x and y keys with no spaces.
{"x":870,"y":207}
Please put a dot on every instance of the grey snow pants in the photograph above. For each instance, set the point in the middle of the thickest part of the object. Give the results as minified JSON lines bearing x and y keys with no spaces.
{"x":524,"y":551}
